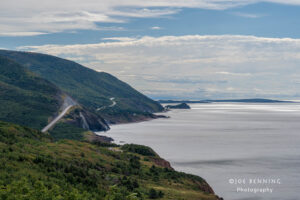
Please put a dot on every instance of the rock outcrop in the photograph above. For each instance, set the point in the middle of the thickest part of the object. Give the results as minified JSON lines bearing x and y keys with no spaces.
{"x":162,"y":163}
{"x":178,"y":106}
{"x":82,"y":118}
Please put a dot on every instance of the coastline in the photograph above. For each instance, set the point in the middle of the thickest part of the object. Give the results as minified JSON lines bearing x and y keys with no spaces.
{"x":193,"y":143}
{"x":104,"y":138}
{"x":161,"y":162}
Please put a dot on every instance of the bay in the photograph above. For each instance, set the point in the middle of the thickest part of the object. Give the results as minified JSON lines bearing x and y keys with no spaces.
{"x":233,"y":146}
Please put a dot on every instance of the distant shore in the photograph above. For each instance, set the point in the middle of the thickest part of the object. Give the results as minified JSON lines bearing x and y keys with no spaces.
{"x":255,"y":100}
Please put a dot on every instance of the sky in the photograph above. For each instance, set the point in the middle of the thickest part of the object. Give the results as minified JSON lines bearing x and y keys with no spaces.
{"x":169,"y":49}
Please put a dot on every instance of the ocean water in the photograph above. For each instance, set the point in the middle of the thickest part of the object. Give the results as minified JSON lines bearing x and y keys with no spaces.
{"x":244,"y":151}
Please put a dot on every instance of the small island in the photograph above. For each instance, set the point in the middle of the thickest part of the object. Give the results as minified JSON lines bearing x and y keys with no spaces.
{"x":178,"y":106}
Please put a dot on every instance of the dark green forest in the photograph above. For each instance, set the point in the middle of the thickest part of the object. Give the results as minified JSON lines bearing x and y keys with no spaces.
{"x":25,"y":98}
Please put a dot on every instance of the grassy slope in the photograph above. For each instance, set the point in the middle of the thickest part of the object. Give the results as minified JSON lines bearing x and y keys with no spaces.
{"x":90,"y":88}
{"x":34,"y":167}
{"x":25,"y":98}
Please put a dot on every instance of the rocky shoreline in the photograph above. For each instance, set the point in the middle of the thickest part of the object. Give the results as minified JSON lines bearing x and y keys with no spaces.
{"x":158,"y":161}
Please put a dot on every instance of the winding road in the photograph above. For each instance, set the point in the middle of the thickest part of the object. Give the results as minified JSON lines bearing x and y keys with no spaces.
{"x":110,"y":106}
{"x":113,"y":102}
{"x":67,"y":105}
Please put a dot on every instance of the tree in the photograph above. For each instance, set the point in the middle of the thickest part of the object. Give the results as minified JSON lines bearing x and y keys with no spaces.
{"x":153,"y":194}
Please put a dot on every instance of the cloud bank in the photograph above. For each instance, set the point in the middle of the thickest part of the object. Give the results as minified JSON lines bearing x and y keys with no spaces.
{"x":195,"y":66}
{"x":34,"y":17}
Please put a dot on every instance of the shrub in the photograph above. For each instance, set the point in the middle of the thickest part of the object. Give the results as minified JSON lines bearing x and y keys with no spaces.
{"x":139,"y":149}
{"x":153,"y":194}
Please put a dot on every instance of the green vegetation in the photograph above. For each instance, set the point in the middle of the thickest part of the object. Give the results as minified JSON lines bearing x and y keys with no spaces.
{"x":153,"y":194}
{"x":72,"y":163}
{"x":90,"y":88}
{"x":67,"y":131}
{"x":139,"y":149}
{"x":34,"y":166}
{"x":25,"y":98}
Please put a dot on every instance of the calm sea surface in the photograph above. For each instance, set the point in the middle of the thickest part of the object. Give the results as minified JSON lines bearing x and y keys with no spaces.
{"x":244,"y":151}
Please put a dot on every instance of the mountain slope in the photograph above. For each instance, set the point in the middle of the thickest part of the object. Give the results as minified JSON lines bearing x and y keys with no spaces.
{"x":32,"y":101}
{"x":100,"y":92}
{"x":25,"y":98}
{"x":34,"y":167}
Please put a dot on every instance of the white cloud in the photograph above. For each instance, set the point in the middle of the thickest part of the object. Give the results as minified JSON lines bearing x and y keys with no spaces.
{"x":50,"y":16}
{"x":234,"y":74}
{"x":156,"y":28}
{"x":16,"y":34}
{"x":248,"y":15}
{"x":120,"y":39}
{"x":191,"y":64}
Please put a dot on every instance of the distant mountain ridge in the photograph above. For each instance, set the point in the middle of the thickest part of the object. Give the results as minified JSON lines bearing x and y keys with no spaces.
{"x":257,"y":100}
{"x":92,"y":89}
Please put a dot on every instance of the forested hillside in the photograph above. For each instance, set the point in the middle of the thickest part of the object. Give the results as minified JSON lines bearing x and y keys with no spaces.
{"x":25,"y":98}
{"x":100,"y":92}
{"x":32,"y":166}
